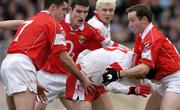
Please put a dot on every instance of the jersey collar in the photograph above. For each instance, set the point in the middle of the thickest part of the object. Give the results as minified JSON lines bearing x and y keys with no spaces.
{"x":148,"y":28}
{"x":48,"y":12}
{"x":67,"y":20}
{"x":98,"y":18}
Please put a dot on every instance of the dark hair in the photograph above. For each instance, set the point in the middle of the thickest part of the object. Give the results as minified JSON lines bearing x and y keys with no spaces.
{"x":79,"y":2}
{"x":141,"y":10}
{"x":47,"y":3}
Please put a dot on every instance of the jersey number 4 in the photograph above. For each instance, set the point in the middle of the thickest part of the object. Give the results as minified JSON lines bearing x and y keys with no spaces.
{"x":25,"y":24}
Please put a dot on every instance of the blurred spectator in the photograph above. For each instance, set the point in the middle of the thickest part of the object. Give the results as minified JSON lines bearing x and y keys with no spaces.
{"x":165,"y":3}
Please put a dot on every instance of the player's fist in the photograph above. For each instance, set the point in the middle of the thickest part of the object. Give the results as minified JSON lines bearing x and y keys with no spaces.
{"x":142,"y":90}
{"x":110,"y":75}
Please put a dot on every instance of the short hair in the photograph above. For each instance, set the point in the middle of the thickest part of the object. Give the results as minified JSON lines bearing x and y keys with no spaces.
{"x":113,"y":2}
{"x":47,"y":3}
{"x":141,"y":10}
{"x":79,"y":2}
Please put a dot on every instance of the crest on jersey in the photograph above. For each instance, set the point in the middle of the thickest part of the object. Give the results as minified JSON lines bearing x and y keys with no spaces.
{"x":81,"y":39}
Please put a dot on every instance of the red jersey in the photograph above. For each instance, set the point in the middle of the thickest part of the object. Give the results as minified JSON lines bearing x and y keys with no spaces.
{"x":155,"y":50}
{"x":37,"y":37}
{"x":86,"y":37}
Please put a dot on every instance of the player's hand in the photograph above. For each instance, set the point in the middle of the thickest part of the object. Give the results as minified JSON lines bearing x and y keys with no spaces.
{"x":89,"y":86}
{"x":41,"y":93}
{"x":142,"y":90}
{"x":110,"y":75}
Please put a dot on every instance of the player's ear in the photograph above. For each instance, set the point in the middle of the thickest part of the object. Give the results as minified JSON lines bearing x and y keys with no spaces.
{"x":52,"y":7}
{"x":144,"y":19}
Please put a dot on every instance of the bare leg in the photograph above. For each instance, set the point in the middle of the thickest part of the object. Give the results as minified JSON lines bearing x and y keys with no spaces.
{"x":24,"y":100}
{"x":40,"y":106}
{"x":10,"y":102}
{"x":82,"y":105}
{"x":78,"y":105}
{"x":104,"y":102}
{"x":154,"y":101}
{"x":170,"y":101}
{"x":68,"y":104}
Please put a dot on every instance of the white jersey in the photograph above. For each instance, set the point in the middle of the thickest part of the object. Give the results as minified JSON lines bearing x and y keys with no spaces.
{"x":96,"y":23}
{"x":95,"y":62}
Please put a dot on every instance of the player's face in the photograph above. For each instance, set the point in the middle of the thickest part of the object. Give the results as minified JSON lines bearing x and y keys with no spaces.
{"x":134,"y":23}
{"x":78,"y":15}
{"x":61,"y":10}
{"x":105,"y":12}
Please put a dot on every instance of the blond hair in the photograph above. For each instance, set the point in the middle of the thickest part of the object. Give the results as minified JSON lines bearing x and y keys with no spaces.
{"x":113,"y":2}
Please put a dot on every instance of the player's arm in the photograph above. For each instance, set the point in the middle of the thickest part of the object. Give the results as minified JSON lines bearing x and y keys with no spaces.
{"x":71,"y":66}
{"x":107,"y":42}
{"x":139,"y":71}
{"x":10,"y":24}
{"x":118,"y":87}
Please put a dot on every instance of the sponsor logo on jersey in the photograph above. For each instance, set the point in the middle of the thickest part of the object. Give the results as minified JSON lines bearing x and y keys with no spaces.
{"x":60,"y":39}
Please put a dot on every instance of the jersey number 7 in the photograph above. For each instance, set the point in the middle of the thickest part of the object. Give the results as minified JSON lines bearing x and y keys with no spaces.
{"x":25,"y":24}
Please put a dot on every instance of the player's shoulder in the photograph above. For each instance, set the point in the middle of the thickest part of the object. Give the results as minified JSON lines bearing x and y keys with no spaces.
{"x":157,"y":34}
{"x":154,"y":36}
{"x":90,"y":27}
{"x":45,"y":18}
{"x":95,"y":23}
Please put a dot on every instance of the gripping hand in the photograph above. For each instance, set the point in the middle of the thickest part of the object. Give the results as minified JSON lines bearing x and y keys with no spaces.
{"x":110,"y":75}
{"x":142,"y":90}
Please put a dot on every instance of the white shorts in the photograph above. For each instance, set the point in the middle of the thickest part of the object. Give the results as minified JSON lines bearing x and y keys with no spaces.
{"x":54,"y":83}
{"x":18,"y":74}
{"x":170,"y":83}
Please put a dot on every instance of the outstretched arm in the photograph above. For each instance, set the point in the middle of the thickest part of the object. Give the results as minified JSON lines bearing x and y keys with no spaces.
{"x":10,"y":24}
{"x":139,"y":71}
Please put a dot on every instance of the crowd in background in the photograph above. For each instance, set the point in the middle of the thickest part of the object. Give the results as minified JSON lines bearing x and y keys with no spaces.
{"x":166,"y":17}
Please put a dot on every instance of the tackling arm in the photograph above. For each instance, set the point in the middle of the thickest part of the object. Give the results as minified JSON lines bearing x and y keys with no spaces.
{"x":111,"y":74}
{"x":141,"y":70}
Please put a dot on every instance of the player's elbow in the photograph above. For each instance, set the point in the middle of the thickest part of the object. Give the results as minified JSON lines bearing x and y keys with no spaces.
{"x":64,"y":57}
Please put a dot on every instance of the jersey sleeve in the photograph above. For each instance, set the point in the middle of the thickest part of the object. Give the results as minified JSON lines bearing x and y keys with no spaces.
{"x":150,"y":52}
{"x":58,"y":42}
{"x":98,"y":35}
{"x":105,"y":41}
{"x":116,"y":66}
